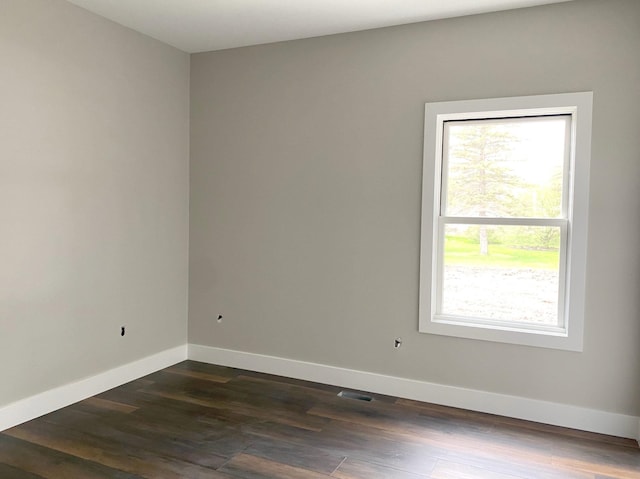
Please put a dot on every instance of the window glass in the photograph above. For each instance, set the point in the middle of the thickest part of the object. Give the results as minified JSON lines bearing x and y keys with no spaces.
{"x":505,"y":168}
{"x":515,"y":280}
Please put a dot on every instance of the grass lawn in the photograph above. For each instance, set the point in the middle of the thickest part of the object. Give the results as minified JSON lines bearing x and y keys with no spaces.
{"x":465,"y":251}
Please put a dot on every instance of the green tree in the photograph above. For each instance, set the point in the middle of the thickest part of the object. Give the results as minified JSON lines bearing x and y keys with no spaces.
{"x":547,"y":203}
{"x":480,"y":182}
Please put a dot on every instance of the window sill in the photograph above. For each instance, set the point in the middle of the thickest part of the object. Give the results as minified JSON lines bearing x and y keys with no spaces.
{"x":542,"y":338}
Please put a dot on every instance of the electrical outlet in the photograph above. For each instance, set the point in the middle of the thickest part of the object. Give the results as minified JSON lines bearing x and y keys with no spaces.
{"x":122,"y":330}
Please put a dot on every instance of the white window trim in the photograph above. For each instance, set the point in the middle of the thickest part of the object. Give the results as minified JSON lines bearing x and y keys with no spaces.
{"x":579,"y":105}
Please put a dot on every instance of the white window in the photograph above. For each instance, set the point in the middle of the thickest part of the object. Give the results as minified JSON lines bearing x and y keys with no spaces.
{"x":504,"y":219}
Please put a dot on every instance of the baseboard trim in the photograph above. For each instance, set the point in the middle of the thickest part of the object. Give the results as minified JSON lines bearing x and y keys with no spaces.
{"x":54,"y":399}
{"x":500,"y":404}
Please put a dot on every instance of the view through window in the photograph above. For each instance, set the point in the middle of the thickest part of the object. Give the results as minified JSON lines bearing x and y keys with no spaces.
{"x":495,"y":170}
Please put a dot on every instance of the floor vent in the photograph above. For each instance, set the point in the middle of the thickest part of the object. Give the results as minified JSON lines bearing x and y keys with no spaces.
{"x":353,"y":395}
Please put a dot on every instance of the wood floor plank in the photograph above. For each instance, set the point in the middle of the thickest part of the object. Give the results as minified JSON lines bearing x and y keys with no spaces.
{"x":246,"y":466}
{"x":419,"y":454}
{"x":354,"y":469}
{"x":602,"y":453}
{"x":297,"y":455}
{"x":202,"y":452}
{"x":198,"y":375}
{"x":10,"y":472}
{"x":303,"y":395}
{"x":625,"y":470}
{"x":431,"y":432}
{"x":207,"y":368}
{"x":107,"y":452}
{"x":269,"y":378}
{"x":388,"y":416}
{"x":519,"y":424}
{"x":367,"y":445}
{"x":51,"y":464}
{"x":109,"y":405}
{"x":452,"y":470}
{"x":247,"y":405}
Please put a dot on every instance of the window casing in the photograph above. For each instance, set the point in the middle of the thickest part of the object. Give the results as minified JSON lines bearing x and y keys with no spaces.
{"x":481,"y":159}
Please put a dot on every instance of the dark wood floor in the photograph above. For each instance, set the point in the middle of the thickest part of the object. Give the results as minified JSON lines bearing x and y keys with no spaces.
{"x":195,"y":420}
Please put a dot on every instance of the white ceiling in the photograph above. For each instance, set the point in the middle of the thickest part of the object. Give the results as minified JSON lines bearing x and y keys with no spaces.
{"x":204,"y":25}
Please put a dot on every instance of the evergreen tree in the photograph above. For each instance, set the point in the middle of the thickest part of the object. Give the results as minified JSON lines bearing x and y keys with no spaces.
{"x":480,"y":181}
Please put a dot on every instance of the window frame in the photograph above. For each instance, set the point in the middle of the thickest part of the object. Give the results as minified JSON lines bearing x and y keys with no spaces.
{"x":573,"y":226}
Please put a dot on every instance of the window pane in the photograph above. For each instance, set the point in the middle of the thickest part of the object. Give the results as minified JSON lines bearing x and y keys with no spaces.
{"x":503,"y":273}
{"x":505,"y":168}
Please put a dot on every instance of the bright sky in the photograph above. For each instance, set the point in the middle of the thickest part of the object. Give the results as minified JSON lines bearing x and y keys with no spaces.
{"x":539,"y":147}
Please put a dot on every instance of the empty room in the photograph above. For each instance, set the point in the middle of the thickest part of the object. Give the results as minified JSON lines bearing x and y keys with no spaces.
{"x":312,"y":239}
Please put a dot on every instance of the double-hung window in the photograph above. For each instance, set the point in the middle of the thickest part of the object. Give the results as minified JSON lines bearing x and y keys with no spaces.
{"x":504,"y":219}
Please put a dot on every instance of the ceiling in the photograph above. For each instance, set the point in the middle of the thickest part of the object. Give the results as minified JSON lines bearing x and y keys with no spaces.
{"x":205,"y":25}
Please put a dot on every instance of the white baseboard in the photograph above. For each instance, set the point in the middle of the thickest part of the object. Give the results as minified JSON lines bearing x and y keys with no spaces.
{"x":53,"y":399}
{"x":500,"y":404}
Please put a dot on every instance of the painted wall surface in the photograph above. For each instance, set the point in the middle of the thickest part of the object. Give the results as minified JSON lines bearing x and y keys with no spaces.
{"x":306,"y":163}
{"x":94,"y":147}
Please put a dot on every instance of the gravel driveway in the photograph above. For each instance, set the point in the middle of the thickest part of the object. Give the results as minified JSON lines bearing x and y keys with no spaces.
{"x":527,"y":295}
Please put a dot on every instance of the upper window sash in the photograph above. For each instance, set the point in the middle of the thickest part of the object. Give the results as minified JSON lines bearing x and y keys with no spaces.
{"x":519,"y":147}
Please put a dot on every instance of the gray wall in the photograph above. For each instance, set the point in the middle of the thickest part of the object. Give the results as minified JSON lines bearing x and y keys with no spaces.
{"x":94,"y":149}
{"x":305,"y":195}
